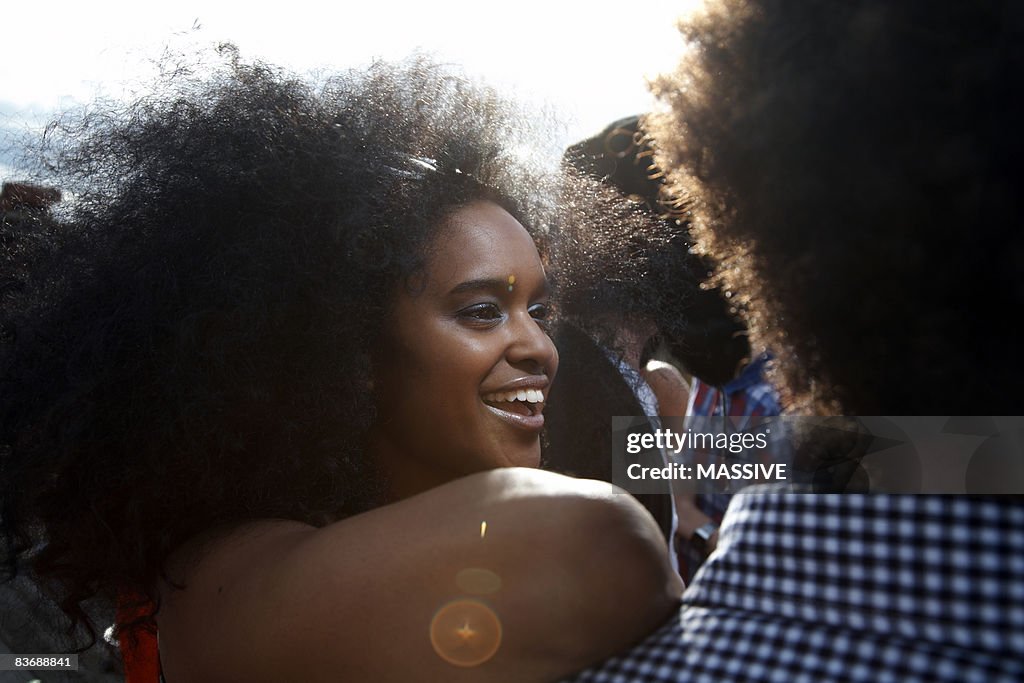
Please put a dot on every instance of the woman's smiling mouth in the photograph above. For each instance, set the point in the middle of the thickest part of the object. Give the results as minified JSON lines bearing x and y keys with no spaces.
{"x":522,"y":408}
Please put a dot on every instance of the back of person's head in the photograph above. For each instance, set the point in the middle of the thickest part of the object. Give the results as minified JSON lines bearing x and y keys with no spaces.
{"x":856,"y":169}
{"x":662,"y":282}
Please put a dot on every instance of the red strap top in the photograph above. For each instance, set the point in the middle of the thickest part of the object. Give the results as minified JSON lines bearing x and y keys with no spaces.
{"x":138,"y":649}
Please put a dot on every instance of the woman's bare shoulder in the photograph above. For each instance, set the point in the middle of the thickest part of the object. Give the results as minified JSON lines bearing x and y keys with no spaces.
{"x":531,"y":554}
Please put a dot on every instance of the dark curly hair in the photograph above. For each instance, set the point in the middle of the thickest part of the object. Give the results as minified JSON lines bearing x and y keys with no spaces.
{"x":856,"y":173}
{"x":642,"y":264}
{"x":190,"y":344}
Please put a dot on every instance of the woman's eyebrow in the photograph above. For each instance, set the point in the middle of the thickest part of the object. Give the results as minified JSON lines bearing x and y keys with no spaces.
{"x":492,"y":285}
{"x":479,"y":284}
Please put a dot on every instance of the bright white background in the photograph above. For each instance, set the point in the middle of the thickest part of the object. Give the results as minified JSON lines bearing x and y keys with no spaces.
{"x":587,"y":60}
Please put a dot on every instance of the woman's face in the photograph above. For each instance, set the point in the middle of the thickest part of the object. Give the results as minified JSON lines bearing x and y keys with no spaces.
{"x":466,"y":364}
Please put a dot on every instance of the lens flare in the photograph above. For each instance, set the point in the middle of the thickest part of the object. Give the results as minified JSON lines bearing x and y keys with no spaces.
{"x":465,"y":633}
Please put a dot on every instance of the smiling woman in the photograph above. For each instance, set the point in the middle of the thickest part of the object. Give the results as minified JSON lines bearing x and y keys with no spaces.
{"x":260,"y":375}
{"x":466,"y":359}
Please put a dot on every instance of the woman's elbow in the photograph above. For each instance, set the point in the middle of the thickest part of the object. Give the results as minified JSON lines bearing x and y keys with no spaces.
{"x":633,"y":586}
{"x":611,"y":576}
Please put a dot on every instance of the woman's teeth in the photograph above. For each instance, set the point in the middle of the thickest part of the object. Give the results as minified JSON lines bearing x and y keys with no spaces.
{"x":522,"y":408}
{"x":527,"y":395}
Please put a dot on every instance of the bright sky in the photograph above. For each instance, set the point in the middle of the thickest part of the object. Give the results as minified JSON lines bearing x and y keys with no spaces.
{"x":586,"y":59}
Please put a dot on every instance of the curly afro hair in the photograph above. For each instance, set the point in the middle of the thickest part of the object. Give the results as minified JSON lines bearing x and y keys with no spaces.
{"x":642,"y":265}
{"x":188,"y":346}
{"x":855,"y":169}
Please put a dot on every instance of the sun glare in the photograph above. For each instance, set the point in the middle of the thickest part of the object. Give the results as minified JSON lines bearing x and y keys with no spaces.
{"x":585,"y":61}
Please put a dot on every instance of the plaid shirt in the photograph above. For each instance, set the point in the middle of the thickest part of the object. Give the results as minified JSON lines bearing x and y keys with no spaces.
{"x":746,"y":397}
{"x":846,"y":587}
{"x":747,"y":394}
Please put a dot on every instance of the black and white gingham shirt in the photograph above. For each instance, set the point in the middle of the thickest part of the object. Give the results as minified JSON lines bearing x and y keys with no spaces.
{"x":872,"y":588}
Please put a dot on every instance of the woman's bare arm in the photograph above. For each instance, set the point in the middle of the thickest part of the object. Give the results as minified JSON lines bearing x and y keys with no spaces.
{"x":573,"y":573}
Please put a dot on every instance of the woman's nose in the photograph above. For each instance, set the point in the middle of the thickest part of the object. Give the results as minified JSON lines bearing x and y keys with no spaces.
{"x":530,"y":344}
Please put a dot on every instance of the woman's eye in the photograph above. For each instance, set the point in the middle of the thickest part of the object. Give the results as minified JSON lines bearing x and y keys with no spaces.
{"x":541,"y":313}
{"x":481,"y":313}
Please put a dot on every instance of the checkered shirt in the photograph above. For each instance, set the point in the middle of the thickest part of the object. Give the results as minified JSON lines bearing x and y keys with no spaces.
{"x":844,"y":587}
{"x":746,"y":394}
{"x":746,"y":398}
